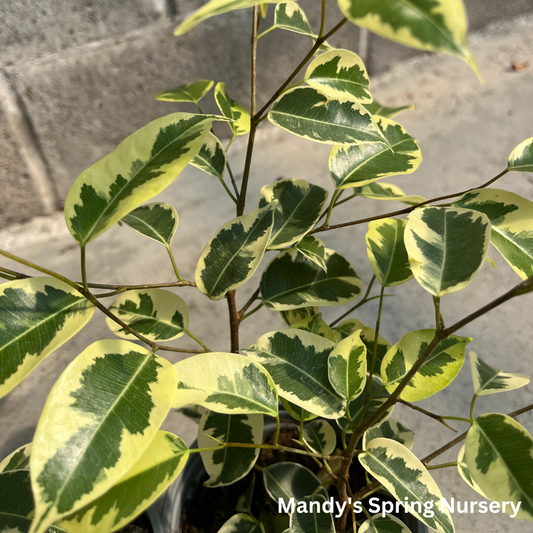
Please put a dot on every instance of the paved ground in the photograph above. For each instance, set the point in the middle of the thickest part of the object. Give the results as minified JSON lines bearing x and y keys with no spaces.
{"x":466,"y":131}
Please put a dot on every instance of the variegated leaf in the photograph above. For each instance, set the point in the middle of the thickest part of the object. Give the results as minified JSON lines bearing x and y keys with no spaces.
{"x":511,"y":217}
{"x":380,"y":396}
{"x":385,"y":111}
{"x":140,"y":167}
{"x":190,"y":92}
{"x":340,"y":74}
{"x":310,"y":516}
{"x":308,"y":113}
{"x":386,"y":251}
{"x":18,"y":460}
{"x":383,"y":524}
{"x":240,"y":124}
{"x":37,"y":315}
{"x":298,"y":363}
{"x":386,"y":191}
{"x":490,"y":380}
{"x":297,"y":412}
{"x":348,"y":327}
{"x":156,"y":221}
{"x":16,"y":503}
{"x":499,"y":457}
{"x":446,"y":247}
{"x":287,"y":480}
{"x":291,"y":281}
{"x":313,"y":248}
{"x":291,"y":316}
{"x":211,"y":158}
{"x":225,"y":383}
{"x":320,"y":437}
{"x":390,"y":429}
{"x":521,"y":158}
{"x":365,"y":163}
{"x":246,"y":499}
{"x":315,"y":324}
{"x":462,"y":468}
{"x":439,"y":370}
{"x":242,"y":523}
{"x":234,"y":253}
{"x":347,"y":367}
{"x":88,"y":436}
{"x":404,"y":476}
{"x":158,"y":314}
{"x":228,"y":465}
{"x":157,"y":468}
{"x":436,"y":26}
{"x":216,"y":7}
{"x":299,"y":206}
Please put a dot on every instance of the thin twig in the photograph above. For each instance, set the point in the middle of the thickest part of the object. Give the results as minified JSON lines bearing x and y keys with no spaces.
{"x":234,"y":321}
{"x":359,"y":304}
{"x":247,"y":305}
{"x":438,"y":418}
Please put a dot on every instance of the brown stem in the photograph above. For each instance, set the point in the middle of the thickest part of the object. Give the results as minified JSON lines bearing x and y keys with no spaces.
{"x":234,"y":321}
{"x":407,"y":210}
{"x":247,"y":305}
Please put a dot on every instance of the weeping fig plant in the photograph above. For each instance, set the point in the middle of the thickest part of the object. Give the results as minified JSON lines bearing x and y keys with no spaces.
{"x":99,"y":457}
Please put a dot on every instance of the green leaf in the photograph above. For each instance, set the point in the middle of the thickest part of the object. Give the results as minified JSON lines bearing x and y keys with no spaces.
{"x":386,"y":251}
{"x":298,"y":413}
{"x":190,"y":92}
{"x":311,"y":518}
{"x":299,"y":206}
{"x":298,"y":363}
{"x":291,"y":316}
{"x":521,"y":158}
{"x":225,"y":383}
{"x":89,"y":436}
{"x":387,"y":112}
{"x":498,"y":454}
{"x":340,"y":74}
{"x":436,"y":26}
{"x":365,"y":163}
{"x":157,"y":468}
{"x":490,"y":380}
{"x":213,"y":8}
{"x":242,"y":523}
{"x":287,"y":480}
{"x":462,"y":468}
{"x":438,"y":263}
{"x":156,"y":221}
{"x":315,"y":324}
{"x":320,"y":437}
{"x":314,"y":249}
{"x":18,"y":460}
{"x":234,"y":253}
{"x":383,"y":524}
{"x":142,"y":166}
{"x":211,"y":158}
{"x":16,"y":503}
{"x":386,"y":191}
{"x":346,"y":328}
{"x":404,"y":476}
{"x":439,"y":370}
{"x":246,"y":499}
{"x":291,"y":281}
{"x":158,"y":314}
{"x":347,"y":367}
{"x":390,"y":429}
{"x":240,"y":124}
{"x":308,"y":113}
{"x":37,"y":315}
{"x":228,"y":465}
{"x":511,"y":217}
{"x":380,"y":396}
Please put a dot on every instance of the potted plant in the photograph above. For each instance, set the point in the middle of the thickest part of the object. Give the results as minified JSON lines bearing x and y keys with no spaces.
{"x":99,"y":458}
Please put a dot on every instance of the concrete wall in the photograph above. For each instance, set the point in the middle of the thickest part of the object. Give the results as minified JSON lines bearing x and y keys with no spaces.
{"x":77,"y":76}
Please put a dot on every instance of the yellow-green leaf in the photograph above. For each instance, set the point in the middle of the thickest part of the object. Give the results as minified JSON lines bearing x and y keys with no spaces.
{"x":242,"y":523}
{"x":386,"y":191}
{"x":521,"y":158}
{"x":297,"y":412}
{"x":156,"y":221}
{"x":291,"y":316}
{"x":88,"y":436}
{"x":447,"y":247}
{"x":37,"y":315}
{"x":390,"y":429}
{"x":462,"y":468}
{"x":383,"y":524}
{"x":320,"y":437}
{"x":158,"y":314}
{"x":240,"y":124}
{"x":225,"y":383}
{"x":17,"y":460}
{"x":190,"y":92}
{"x":211,"y":158}
{"x":385,"y":111}
{"x":315,"y":324}
{"x":313,"y":248}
